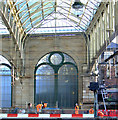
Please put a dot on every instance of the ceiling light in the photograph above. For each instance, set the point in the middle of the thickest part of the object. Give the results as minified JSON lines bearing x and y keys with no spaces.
{"x":77,"y":4}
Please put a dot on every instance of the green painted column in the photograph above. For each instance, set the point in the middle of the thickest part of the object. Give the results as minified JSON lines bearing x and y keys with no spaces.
{"x":56,"y":88}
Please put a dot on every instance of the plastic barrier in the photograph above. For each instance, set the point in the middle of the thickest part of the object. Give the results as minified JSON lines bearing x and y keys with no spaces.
{"x":107,"y":113}
{"x":110,"y":113}
{"x":46,"y":115}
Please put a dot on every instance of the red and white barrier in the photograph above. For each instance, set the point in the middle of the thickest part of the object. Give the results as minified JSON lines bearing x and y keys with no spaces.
{"x":46,"y":115}
{"x":107,"y":113}
{"x":110,"y":113}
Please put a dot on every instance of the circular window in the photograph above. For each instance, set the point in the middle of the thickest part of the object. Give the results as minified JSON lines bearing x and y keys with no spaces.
{"x":56,"y":59}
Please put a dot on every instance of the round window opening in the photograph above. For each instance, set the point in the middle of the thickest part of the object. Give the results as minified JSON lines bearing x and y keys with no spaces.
{"x":56,"y":59}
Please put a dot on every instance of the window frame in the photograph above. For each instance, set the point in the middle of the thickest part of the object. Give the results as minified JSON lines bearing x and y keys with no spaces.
{"x":50,"y":64}
{"x":7,"y":65}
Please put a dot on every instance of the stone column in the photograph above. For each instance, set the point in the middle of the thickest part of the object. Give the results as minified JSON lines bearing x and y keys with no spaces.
{"x":116,"y":16}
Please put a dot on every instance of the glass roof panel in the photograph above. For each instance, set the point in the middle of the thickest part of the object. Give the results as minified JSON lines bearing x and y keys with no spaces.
{"x":34,"y":15}
{"x":24,"y":17}
{"x":27,"y":23}
{"x":24,"y":7}
{"x":29,"y":28}
{"x":34,"y":2}
{"x":32,"y":10}
{"x":34,"y":22}
{"x":19,"y":3}
{"x":3,"y":28}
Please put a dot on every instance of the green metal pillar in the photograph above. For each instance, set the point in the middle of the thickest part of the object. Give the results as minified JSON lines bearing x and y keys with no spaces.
{"x":95,"y":103}
{"x":56,"y":89}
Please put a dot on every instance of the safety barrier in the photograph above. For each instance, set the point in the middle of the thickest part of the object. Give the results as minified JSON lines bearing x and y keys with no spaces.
{"x":110,"y":113}
{"x":46,"y":115}
{"x":107,"y":113}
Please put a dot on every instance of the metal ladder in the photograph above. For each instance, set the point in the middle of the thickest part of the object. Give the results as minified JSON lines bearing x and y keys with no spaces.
{"x":104,"y":96}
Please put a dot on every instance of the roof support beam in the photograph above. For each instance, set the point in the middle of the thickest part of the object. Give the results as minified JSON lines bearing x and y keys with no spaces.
{"x":34,"y":19}
{"x":11,"y":20}
{"x":96,"y":16}
{"x":73,"y":16}
{"x":29,"y":14}
{"x":71,"y":20}
{"x":32,"y":14}
{"x":110,"y":57}
{"x":42,"y":9}
{"x":15,"y":24}
{"x":101,"y":31}
{"x":10,"y":24}
{"x":20,"y":10}
{"x":38,"y":25}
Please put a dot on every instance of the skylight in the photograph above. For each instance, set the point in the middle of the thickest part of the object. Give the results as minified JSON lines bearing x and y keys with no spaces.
{"x":54,"y":16}
{"x":3,"y":28}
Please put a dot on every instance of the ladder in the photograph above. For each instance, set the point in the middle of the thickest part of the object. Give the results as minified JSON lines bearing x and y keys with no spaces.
{"x":104,"y":96}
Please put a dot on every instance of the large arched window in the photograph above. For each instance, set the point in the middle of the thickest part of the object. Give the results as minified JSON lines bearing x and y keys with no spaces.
{"x":56,"y":80}
{"x":5,"y":83}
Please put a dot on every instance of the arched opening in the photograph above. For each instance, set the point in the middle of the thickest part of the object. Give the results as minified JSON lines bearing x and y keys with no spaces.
{"x":56,"y":80}
{"x":5,"y":83}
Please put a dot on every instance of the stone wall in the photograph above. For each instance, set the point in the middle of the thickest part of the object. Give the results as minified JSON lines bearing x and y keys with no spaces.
{"x":36,"y":47}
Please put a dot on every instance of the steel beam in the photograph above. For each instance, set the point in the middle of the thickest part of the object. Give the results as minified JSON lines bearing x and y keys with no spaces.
{"x":101,"y":30}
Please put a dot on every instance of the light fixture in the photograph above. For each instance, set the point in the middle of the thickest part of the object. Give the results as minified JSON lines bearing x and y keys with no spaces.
{"x":16,"y":78}
{"x":77,"y":4}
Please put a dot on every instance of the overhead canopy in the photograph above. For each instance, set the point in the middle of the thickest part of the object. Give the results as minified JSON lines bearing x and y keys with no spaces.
{"x":50,"y":16}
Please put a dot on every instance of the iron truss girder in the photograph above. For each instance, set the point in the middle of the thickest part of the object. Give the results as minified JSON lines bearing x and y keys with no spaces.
{"x":28,"y":14}
{"x":100,"y":31}
{"x":42,"y":7}
{"x":38,"y":24}
{"x":11,"y":20}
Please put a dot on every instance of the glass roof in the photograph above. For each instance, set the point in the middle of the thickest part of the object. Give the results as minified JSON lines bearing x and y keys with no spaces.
{"x":50,"y":16}
{"x":3,"y":28}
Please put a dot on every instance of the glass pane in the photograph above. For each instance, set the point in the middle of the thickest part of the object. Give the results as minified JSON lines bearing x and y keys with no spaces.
{"x":57,"y":84}
{"x":45,"y":85}
{"x":68,"y":59}
{"x":56,"y":59}
{"x":5,"y":86}
{"x":44,"y":59}
{"x":67,"y":86}
{"x":4,"y":60}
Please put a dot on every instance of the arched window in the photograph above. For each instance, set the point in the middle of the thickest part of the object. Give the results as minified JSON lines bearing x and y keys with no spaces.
{"x":5,"y":83}
{"x":56,"y":80}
